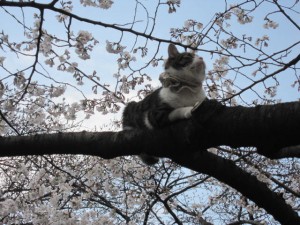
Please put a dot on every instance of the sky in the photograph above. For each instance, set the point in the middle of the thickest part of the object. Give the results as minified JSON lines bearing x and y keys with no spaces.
{"x":122,"y":12}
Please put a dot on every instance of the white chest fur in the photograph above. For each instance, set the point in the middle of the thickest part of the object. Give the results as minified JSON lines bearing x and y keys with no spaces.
{"x":182,"y":99}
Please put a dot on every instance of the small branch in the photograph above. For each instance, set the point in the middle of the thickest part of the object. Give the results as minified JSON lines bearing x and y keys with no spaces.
{"x":289,"y":64}
{"x":36,"y":56}
{"x":9,"y":123}
{"x":286,"y":15}
{"x":165,"y":203}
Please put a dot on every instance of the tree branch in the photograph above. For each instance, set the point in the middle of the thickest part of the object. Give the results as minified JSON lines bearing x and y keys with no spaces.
{"x":286,"y":15}
{"x":270,"y":128}
{"x":286,"y":66}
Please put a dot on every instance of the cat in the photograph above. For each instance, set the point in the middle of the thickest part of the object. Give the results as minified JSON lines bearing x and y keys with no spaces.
{"x":181,"y":90}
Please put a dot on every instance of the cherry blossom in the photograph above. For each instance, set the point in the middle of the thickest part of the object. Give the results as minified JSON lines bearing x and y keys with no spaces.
{"x":56,"y":77}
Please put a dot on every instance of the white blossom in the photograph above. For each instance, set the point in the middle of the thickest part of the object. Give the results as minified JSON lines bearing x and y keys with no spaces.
{"x":105,"y":4}
{"x":82,"y":46}
{"x":19,"y":80}
{"x":2,"y":89}
{"x":8,"y":206}
{"x":242,"y":16}
{"x":80,"y":82}
{"x":272,"y":91}
{"x":46,"y":45}
{"x":84,"y":37}
{"x":125,"y":59}
{"x":57,"y":91}
{"x":1,"y":60}
{"x":154,"y":62}
{"x":66,"y":7}
{"x":270,"y":24}
{"x":189,"y":23}
{"x":114,"y":48}
{"x":62,"y":59}
{"x":199,"y":26}
{"x":88,"y":3}
{"x":4,"y":38}
{"x":262,"y":40}
{"x":72,"y":68}
{"x":38,"y":117}
{"x":49,"y":62}
{"x":230,"y":43}
{"x":172,"y":4}
{"x":23,"y":169}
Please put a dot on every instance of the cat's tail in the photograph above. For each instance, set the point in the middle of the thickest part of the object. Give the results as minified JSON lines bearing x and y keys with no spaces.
{"x":148,"y":159}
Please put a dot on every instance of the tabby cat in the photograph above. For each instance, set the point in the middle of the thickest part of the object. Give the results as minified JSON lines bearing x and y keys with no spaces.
{"x":181,"y":90}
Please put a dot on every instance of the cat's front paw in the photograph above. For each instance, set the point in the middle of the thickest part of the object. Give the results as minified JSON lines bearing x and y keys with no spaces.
{"x":181,"y":113}
{"x":188,"y":112}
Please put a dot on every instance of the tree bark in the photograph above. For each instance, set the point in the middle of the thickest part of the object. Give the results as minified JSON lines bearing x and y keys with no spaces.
{"x":270,"y":128}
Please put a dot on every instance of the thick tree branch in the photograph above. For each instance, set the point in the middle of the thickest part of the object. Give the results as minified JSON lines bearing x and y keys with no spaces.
{"x":270,"y":128}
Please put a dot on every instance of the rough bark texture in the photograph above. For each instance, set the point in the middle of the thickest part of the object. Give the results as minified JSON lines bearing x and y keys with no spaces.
{"x":269,"y":128}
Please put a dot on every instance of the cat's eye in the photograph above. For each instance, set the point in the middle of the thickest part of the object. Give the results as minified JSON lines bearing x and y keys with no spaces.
{"x":186,"y":60}
{"x":184,"y":63}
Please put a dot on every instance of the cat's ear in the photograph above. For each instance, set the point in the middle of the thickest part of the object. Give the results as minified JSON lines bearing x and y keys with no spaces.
{"x":172,"y":51}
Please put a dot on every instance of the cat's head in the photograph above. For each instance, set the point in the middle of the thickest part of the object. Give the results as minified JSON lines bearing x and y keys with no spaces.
{"x":185,"y":65}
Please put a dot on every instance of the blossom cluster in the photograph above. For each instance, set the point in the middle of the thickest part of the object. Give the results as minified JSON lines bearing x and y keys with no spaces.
{"x":230,"y":43}
{"x":2,"y":89}
{"x":220,"y":66}
{"x":46,"y":45}
{"x":192,"y":24}
{"x":125,"y":59}
{"x":82,"y":44}
{"x":190,"y":33}
{"x":172,"y":4}
{"x":270,"y":24}
{"x":67,"y":7}
{"x":263,"y":41}
{"x":1,"y":60}
{"x":241,"y":14}
{"x":104,"y":4}
{"x":20,"y":80}
{"x":113,"y":47}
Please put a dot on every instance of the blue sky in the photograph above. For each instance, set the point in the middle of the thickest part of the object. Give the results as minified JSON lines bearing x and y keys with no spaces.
{"x":122,"y":12}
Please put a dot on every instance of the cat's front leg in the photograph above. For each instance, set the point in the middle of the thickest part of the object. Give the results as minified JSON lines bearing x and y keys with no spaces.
{"x":181,"y":113}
